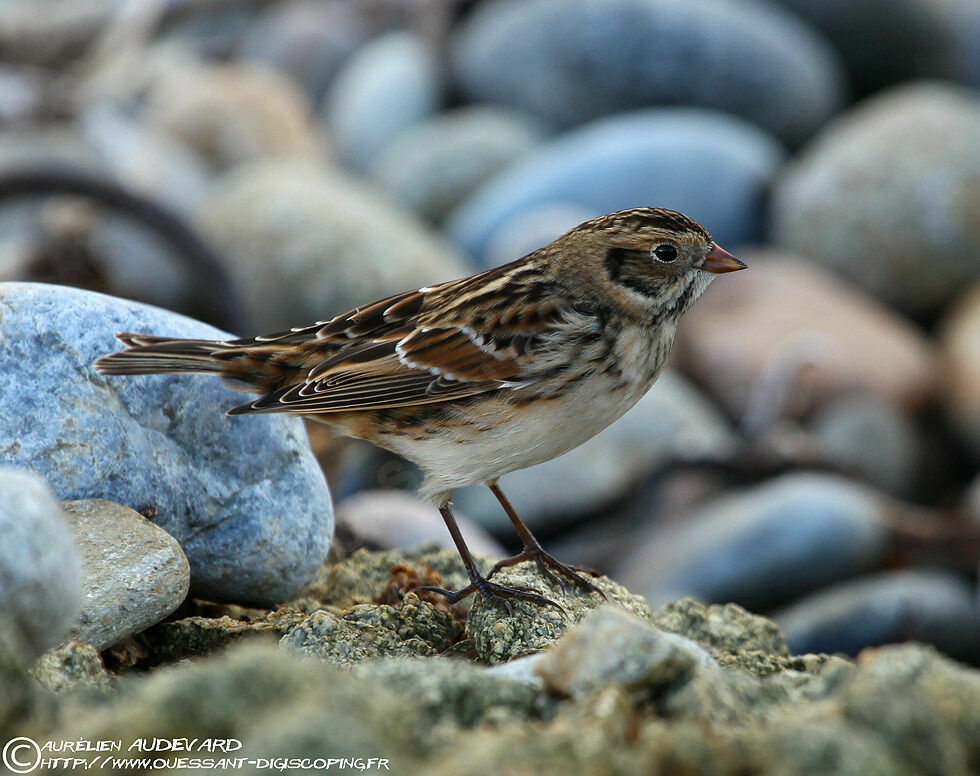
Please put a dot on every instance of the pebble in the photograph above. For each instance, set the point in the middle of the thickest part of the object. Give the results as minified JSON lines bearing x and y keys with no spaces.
{"x":960,"y":343}
{"x":397,"y":519}
{"x":589,"y":60}
{"x":713,"y":167}
{"x":761,"y":546}
{"x":388,"y":84}
{"x":883,"y":41}
{"x":433,"y":166}
{"x":792,"y":318}
{"x":244,"y":497}
{"x":963,"y":18}
{"x":612,"y":647}
{"x":133,"y":572}
{"x":672,"y":421}
{"x":887,"y":195}
{"x":40,"y":581}
{"x":233,"y":113}
{"x":872,"y":440}
{"x":308,"y":39}
{"x":305,"y":245}
{"x":935,"y":607}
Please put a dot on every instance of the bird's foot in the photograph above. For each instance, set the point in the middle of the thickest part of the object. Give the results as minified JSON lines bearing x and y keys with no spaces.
{"x":548,"y":565}
{"x":492,"y":592}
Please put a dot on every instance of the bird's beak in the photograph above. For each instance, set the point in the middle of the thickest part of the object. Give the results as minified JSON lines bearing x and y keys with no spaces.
{"x":719,"y":260}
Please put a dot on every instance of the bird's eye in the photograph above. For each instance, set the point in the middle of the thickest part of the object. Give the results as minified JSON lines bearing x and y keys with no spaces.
{"x":665,"y":252}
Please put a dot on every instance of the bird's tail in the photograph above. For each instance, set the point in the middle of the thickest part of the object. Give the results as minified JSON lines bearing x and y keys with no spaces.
{"x":148,"y":355}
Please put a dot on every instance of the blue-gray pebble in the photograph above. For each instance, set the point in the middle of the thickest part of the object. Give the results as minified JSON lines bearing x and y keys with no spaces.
{"x":935,"y":607}
{"x":713,"y":167}
{"x":762,"y":546}
{"x":244,"y":496}
{"x":571,"y":61}
{"x":386,"y":86}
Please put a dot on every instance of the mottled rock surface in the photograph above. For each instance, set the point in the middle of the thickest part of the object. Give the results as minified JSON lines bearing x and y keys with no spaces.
{"x":244,"y":496}
{"x":888,"y":195}
{"x":133,"y":572}
{"x":40,"y":580}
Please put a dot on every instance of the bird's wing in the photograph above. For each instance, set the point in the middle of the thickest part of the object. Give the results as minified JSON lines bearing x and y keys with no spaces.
{"x":436,"y":344}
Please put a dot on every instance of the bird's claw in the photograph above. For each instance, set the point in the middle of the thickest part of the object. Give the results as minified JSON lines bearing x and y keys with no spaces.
{"x":548,"y":565}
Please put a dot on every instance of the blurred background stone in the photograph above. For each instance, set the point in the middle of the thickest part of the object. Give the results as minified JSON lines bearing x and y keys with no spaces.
{"x":963,"y":19}
{"x":889,"y":195}
{"x":961,"y":355}
{"x":133,"y":572}
{"x":386,"y":86}
{"x":571,"y":61}
{"x":761,"y":546}
{"x":712,"y":167}
{"x":433,"y":166}
{"x":40,"y":580}
{"x":934,"y":607}
{"x":244,"y":497}
{"x":305,"y":245}
{"x":233,"y":113}
{"x":884,"y":41}
{"x":787,"y":315}
{"x":673,"y":421}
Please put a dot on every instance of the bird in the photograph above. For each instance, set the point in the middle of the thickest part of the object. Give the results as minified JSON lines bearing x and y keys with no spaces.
{"x":474,"y":378}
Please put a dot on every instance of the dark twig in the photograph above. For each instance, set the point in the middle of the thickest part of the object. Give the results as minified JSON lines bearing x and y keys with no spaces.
{"x":212,"y":294}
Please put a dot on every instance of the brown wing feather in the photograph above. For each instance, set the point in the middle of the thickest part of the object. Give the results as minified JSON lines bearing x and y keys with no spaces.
{"x":436,"y":344}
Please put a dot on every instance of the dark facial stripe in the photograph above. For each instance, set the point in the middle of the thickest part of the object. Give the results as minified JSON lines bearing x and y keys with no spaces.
{"x":622,"y":265}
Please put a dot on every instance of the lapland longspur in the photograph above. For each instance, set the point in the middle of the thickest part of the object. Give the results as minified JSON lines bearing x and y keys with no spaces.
{"x":475,"y":378}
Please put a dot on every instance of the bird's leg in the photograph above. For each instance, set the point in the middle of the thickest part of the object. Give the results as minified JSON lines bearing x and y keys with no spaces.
{"x":533,"y":550}
{"x":479,"y":583}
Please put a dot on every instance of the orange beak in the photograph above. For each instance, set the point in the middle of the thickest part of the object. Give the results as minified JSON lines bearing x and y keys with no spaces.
{"x":720,"y":260}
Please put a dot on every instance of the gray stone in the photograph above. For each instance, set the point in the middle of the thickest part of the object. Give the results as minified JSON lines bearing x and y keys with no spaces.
{"x":306,"y":245}
{"x":611,"y":647}
{"x":870,"y":438}
{"x":963,"y":17}
{"x":960,"y":341}
{"x":433,"y":166}
{"x":935,"y":607}
{"x":762,"y":546}
{"x":528,"y":231}
{"x":573,"y":60}
{"x":387,"y":85}
{"x":713,"y":167}
{"x":887,"y":195}
{"x":672,"y":421}
{"x":133,"y":572}
{"x":883,"y":41}
{"x":244,"y":497}
{"x":233,"y":113}
{"x":397,"y":519}
{"x":523,"y":670}
{"x":40,"y":581}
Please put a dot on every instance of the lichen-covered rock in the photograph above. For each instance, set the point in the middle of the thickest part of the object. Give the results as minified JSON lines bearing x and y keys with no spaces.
{"x":363,"y":577}
{"x":274,"y":702}
{"x":573,"y":60}
{"x":431,"y":167}
{"x":244,"y":496}
{"x":499,"y":635}
{"x":712,"y":167}
{"x":304,"y":244}
{"x":71,"y":667}
{"x":889,"y":195}
{"x":412,"y":629}
{"x":133,"y":572}
{"x":454,"y":690}
{"x":40,"y":580}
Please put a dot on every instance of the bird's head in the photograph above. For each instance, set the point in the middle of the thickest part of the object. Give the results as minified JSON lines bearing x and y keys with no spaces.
{"x":654,"y":258}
